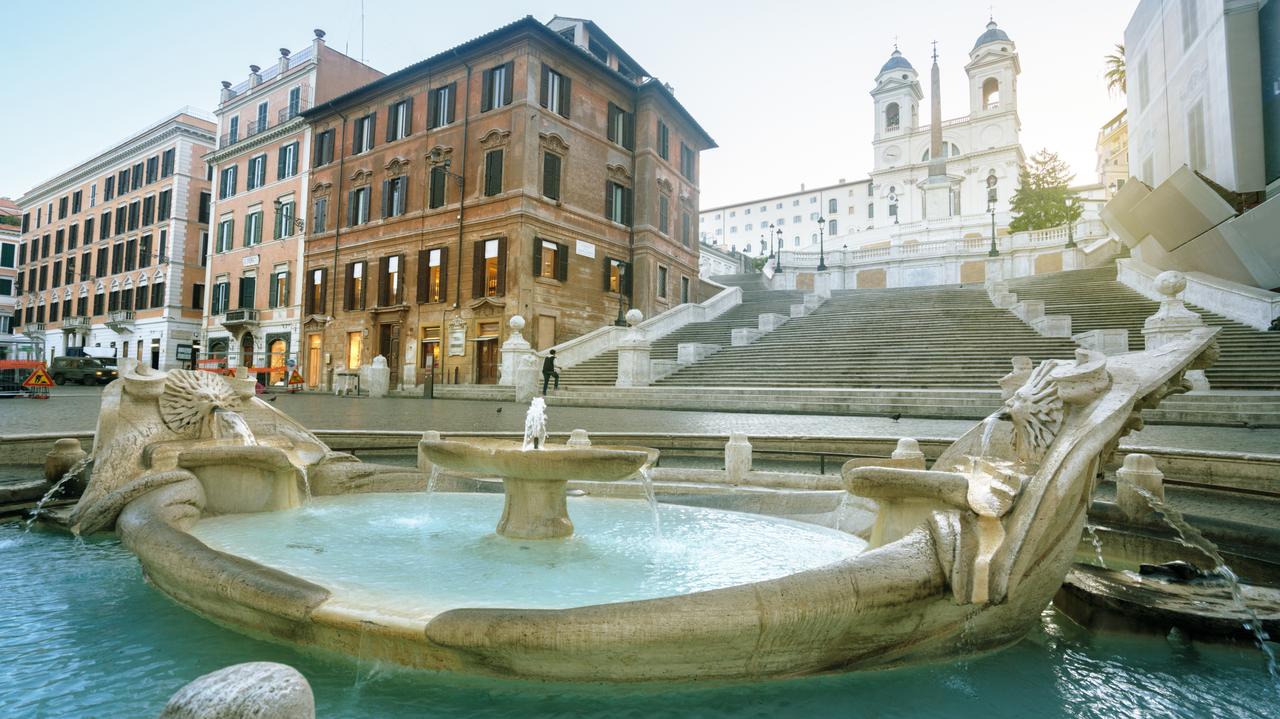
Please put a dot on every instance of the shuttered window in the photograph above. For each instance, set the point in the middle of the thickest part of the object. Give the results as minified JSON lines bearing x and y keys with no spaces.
{"x":617,"y":203}
{"x":617,"y":276}
{"x":317,"y":291}
{"x":550,"y":260}
{"x":686,"y":161}
{"x":248,"y":288}
{"x":439,"y":183}
{"x":394,"y":196}
{"x":663,"y":140}
{"x":432,"y":275}
{"x":278,"y":295}
{"x":358,"y":206}
{"x":442,"y":105}
{"x":253,"y":228}
{"x":496,"y":90}
{"x":662,"y":282}
{"x":157,"y":294}
{"x":362,"y":138}
{"x":664,"y":214}
{"x":489,"y":268}
{"x":621,"y":129}
{"x":320,"y":215}
{"x":400,"y":120}
{"x":354,"y":288}
{"x":493,"y":173}
{"x":554,"y":92}
{"x":324,"y":148}
{"x":391,"y":280}
{"x":287,"y":161}
{"x":551,"y":164}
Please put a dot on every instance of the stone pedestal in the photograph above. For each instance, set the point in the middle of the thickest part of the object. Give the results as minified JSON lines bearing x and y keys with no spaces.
{"x":378,"y":377}
{"x":737,"y":458}
{"x":528,"y":378}
{"x":514,"y":352}
{"x":65,"y":455}
{"x":1139,"y":470}
{"x":634,"y":369}
{"x":1108,"y":342}
{"x":1172,"y":321}
{"x":770,"y":321}
{"x":408,"y":375}
{"x":822,"y":284}
{"x":578,"y":438}
{"x":995,"y":271}
{"x":535,"y":509}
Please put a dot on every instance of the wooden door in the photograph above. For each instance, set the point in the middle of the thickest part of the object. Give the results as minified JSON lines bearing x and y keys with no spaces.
{"x":313,"y":360}
{"x":487,"y":361}
{"x":389,"y":347}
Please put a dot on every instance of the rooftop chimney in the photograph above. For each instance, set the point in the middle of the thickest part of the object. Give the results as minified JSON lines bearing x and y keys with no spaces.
{"x":254,"y":78}
{"x":284,"y":60}
{"x":227,"y":92}
{"x":318,"y":42}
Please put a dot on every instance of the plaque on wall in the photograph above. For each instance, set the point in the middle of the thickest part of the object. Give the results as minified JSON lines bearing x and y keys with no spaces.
{"x":457,"y":337}
{"x":585,"y":249}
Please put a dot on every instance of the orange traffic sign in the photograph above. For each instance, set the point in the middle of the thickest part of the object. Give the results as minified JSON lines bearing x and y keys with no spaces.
{"x":295,"y":378}
{"x":38,"y":379}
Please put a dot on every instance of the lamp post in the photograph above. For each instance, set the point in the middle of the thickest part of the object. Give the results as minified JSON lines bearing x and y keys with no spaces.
{"x":621,"y":319}
{"x":296,"y":223}
{"x":822,"y":255}
{"x":1073,"y":204}
{"x":778,"y":265}
{"x":991,"y":207}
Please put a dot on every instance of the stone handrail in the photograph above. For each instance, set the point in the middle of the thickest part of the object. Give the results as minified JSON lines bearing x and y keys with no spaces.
{"x":605,"y":339}
{"x":1085,"y":231}
{"x":1247,"y":305}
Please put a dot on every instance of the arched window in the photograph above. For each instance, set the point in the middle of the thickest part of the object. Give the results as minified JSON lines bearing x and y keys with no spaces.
{"x":891,"y":116}
{"x":797,"y":240}
{"x":832,"y":227}
{"x":831,"y":206}
{"x":990,"y":94}
{"x":949,"y":149}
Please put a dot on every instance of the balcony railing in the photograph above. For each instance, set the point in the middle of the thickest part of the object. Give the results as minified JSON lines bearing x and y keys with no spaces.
{"x":288,"y":113}
{"x":120,"y":316}
{"x":33,"y":329}
{"x":75,"y":323}
{"x":240,"y":316}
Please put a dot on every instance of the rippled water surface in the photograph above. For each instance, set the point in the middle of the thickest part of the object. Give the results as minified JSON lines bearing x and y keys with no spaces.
{"x":430,"y":552}
{"x":81,"y":635}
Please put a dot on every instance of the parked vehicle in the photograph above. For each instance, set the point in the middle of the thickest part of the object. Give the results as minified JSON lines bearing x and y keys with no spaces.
{"x":84,"y":370}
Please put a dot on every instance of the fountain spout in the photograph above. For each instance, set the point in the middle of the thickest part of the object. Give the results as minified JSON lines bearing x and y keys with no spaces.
{"x":535,"y":425}
{"x":230,"y":426}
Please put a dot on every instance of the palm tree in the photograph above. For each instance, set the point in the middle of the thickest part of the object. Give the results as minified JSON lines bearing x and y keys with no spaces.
{"x":1115,"y":71}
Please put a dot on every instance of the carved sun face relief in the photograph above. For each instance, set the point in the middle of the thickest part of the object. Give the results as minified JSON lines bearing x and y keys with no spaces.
{"x":892,"y":153}
{"x":189,"y":396}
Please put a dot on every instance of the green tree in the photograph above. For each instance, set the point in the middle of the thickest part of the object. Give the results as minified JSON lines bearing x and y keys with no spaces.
{"x":1116,"y":79}
{"x":1043,"y":199}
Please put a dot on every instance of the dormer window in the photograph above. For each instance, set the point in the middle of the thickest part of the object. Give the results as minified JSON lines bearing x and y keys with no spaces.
{"x":598,"y":50}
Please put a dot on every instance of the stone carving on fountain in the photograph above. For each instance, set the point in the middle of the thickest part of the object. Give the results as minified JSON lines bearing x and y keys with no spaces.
{"x":223,"y":448}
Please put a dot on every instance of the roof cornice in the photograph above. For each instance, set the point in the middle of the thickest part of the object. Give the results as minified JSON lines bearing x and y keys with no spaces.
{"x":117,"y":155}
{"x":255,"y":141}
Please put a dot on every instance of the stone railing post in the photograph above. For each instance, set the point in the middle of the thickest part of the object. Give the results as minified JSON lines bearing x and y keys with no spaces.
{"x":634,"y":369}
{"x":1172,"y":321}
{"x":514,"y":351}
{"x":1139,"y":472}
{"x":737,"y":458}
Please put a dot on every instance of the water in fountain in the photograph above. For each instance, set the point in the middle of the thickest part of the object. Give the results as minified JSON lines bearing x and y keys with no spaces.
{"x":306,"y":484}
{"x":1097,"y":544}
{"x":647,"y":482}
{"x":432,"y":480}
{"x":535,"y":425}
{"x":57,"y":487}
{"x":230,"y":425}
{"x":1191,"y":537}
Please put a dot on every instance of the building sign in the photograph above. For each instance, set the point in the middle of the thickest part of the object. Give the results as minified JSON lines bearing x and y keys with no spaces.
{"x":585,"y":249}
{"x":183,"y":353}
{"x":457,"y":337}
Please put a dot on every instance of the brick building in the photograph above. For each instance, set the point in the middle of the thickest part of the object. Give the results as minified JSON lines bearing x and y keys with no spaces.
{"x":535,"y":170}
{"x":253,"y":304}
{"x":110,"y":249}
{"x":10,"y":234}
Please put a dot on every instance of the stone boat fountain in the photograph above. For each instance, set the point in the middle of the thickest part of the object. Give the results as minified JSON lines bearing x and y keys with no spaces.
{"x":963,"y":557}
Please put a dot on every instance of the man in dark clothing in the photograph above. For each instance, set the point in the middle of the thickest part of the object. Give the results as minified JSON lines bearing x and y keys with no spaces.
{"x":549,"y":371}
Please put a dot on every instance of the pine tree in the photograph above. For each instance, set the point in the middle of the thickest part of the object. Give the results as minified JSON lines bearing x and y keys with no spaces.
{"x":1043,"y":199}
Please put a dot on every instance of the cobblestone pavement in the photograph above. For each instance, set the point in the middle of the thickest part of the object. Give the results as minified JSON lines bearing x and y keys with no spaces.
{"x":75,"y":409}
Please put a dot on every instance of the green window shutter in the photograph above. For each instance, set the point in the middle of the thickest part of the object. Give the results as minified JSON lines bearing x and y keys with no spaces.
{"x":486,"y":91}
{"x":543,"y":90}
{"x":551,"y":175}
{"x":608,"y":265}
{"x":423,"y":256}
{"x":612,"y":123}
{"x":562,"y":263}
{"x":408,"y":117}
{"x":273,"y":297}
{"x":565,"y":94}
{"x":444,"y":272}
{"x":629,"y":130}
{"x":280,"y":164}
{"x":453,"y":102}
{"x":537,"y":257}
{"x":391,"y":121}
{"x":502,"y":266}
{"x":509,"y":86}
{"x":477,"y":269}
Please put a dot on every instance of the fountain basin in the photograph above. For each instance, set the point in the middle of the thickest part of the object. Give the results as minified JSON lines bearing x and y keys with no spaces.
{"x":534,"y":480}
{"x":242,"y":479}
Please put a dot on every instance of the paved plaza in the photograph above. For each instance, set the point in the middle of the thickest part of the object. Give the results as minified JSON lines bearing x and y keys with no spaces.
{"x":75,"y":409}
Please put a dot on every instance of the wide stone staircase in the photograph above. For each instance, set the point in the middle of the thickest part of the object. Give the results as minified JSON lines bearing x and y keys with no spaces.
{"x":602,"y":370}
{"x":927,"y":337}
{"x":1096,"y":300}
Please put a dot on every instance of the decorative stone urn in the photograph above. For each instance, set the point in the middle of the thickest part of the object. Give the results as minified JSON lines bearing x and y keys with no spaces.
{"x":534,"y":480}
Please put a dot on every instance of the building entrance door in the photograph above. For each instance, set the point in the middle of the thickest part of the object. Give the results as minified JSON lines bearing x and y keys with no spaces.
{"x":389,"y":347}
{"x":313,"y":360}
{"x":487,"y":361}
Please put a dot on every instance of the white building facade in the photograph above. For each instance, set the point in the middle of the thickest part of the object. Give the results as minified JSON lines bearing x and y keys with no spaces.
{"x":110,"y":249}
{"x":888,"y":208}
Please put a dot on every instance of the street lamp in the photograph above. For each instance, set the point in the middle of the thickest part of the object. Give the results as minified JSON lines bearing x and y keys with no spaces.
{"x":1073,"y":205}
{"x":991,"y":207}
{"x":822,"y":255}
{"x":777,"y":267}
{"x":621,"y":319}
{"x":295,"y":222}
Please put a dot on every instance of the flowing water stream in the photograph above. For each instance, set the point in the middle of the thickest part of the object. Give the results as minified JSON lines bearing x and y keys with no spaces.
{"x":57,"y":487}
{"x":1191,"y":537}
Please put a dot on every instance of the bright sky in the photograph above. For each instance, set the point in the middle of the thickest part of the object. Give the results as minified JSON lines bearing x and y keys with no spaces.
{"x":782,"y":87}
